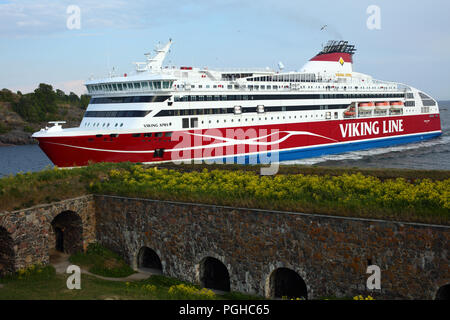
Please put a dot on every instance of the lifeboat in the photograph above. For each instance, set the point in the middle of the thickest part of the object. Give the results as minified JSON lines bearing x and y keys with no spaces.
{"x":366,"y":106}
{"x":382,"y":105}
{"x":397,"y":105}
{"x":349,"y":113}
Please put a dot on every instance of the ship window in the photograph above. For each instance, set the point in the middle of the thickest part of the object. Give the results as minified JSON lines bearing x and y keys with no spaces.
{"x":114,"y":87}
{"x":158,"y":135}
{"x":144,"y":85}
{"x":157,"y":84}
{"x":147,"y":135}
{"x":185,"y":123}
{"x":165,"y":84}
{"x":121,"y":124}
{"x":119,"y":86}
{"x":99,"y":135}
{"x":158,"y":153}
{"x":130,"y":85}
{"x":169,"y":134}
{"x":136,"y":135}
{"x":137,"y":85}
{"x":113,"y":135}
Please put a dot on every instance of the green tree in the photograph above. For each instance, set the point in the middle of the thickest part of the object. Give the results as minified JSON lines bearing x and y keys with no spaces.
{"x":85,"y":99}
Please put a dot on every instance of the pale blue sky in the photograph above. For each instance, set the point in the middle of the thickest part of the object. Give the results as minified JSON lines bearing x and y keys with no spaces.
{"x":412,"y":47}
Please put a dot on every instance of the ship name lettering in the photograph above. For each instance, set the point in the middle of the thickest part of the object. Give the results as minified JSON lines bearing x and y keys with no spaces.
{"x":358,"y":129}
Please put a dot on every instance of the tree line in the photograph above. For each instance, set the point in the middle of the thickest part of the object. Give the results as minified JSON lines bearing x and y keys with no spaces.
{"x":42,"y":104}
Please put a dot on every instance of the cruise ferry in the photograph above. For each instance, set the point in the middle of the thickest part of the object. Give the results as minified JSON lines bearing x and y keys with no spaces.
{"x":162,"y":113}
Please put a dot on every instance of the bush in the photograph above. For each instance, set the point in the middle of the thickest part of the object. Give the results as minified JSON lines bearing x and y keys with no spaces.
{"x":4,"y":128}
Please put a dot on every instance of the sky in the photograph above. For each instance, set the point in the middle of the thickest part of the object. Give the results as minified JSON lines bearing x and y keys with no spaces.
{"x":411,"y":45}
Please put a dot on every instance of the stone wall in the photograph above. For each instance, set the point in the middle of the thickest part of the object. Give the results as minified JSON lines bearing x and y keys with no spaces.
{"x":32,"y":234}
{"x":331,"y":254}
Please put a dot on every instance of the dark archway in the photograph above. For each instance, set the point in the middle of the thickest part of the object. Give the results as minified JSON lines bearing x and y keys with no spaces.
{"x":214,"y":274}
{"x":7,"y":255}
{"x":285,"y":282}
{"x":67,"y":228}
{"x":443,"y":293}
{"x":149,"y":259}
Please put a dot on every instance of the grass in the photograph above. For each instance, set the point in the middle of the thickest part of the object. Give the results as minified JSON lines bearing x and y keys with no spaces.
{"x":47,"y":285}
{"x":102,"y":261}
{"x":418,"y":196}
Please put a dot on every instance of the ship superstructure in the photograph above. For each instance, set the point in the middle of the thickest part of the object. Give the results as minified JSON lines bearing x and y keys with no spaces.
{"x":163,"y":113}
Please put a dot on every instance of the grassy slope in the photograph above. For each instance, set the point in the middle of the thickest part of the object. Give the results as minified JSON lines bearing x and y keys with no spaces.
{"x":102,"y":261}
{"x":48,"y":285}
{"x":26,"y":190}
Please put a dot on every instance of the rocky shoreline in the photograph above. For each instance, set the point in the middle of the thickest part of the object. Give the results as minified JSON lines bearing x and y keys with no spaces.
{"x":16,"y":137}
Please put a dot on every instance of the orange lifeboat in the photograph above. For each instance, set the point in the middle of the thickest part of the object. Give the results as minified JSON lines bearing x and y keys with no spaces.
{"x":382,"y":105}
{"x":397,"y":105}
{"x":366,"y":106}
{"x":349,"y":113}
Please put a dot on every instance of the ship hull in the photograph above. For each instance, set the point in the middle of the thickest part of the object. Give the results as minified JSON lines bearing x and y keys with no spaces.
{"x":254,"y":144}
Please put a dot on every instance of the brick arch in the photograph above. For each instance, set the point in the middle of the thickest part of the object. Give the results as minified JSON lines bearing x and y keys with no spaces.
{"x":269,"y":283}
{"x":66,"y":232}
{"x":7,"y":252}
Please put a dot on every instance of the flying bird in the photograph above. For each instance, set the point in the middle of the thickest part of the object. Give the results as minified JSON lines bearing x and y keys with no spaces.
{"x":323,"y":28}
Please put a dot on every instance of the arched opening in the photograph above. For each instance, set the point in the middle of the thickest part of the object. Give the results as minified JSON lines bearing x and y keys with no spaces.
{"x":7,"y":255}
{"x":287,"y":283}
{"x":443,"y":293}
{"x":149,"y":260}
{"x":214,"y":274}
{"x":68,"y":232}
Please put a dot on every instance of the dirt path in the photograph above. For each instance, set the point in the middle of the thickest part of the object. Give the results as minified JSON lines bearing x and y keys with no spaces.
{"x":60,"y":261}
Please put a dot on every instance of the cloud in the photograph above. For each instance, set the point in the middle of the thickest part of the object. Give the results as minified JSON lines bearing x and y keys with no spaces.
{"x":22,"y":18}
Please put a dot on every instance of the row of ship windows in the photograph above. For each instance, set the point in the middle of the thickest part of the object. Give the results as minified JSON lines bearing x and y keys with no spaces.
{"x":192,"y":112}
{"x":276,"y":87}
{"x":142,"y":85}
{"x":239,"y":110}
{"x":117,"y":114}
{"x":193,"y":122}
{"x":285,"y":96}
{"x":129,"y":99}
{"x":150,"y":99}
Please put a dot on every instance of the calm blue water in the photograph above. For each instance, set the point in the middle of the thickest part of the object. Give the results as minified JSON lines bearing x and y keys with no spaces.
{"x":433,"y":154}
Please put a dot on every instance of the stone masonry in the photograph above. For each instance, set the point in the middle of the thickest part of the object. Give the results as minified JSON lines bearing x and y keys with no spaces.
{"x":32,"y":233}
{"x":329,"y":253}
